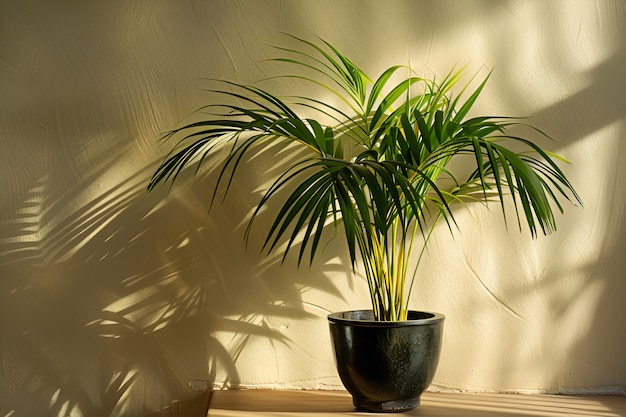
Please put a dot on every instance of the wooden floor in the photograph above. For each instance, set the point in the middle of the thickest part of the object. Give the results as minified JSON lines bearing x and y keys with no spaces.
{"x":339,"y":403}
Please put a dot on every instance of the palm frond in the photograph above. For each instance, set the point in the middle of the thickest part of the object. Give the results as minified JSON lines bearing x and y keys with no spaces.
{"x":389,"y":190}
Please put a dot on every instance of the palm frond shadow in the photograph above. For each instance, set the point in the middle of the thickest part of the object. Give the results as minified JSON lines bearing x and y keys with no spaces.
{"x":560,"y":287}
{"x":120,"y":302}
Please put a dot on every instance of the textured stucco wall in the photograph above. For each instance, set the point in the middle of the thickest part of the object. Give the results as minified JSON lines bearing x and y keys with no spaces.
{"x":113,"y":300}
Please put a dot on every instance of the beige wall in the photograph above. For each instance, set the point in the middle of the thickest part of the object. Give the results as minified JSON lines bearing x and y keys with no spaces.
{"x":113,"y":300}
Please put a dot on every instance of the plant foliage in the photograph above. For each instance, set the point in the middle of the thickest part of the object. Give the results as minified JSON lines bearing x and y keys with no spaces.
{"x":379,"y":167}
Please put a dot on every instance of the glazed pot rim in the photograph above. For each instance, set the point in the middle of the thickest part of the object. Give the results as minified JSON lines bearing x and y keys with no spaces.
{"x":348,"y":318}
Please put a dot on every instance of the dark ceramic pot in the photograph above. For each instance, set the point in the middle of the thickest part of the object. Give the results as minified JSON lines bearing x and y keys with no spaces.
{"x":386,"y":365}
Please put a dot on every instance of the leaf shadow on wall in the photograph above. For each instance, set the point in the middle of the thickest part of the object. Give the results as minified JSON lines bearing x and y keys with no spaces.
{"x":568,"y":306}
{"x":115,"y":308}
{"x":594,"y":313}
{"x":599,"y":111}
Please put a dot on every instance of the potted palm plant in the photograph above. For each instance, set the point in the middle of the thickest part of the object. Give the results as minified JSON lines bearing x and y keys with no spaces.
{"x":378,"y":166}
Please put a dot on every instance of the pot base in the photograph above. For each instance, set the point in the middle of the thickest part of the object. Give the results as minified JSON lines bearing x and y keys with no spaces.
{"x":395,"y":406}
